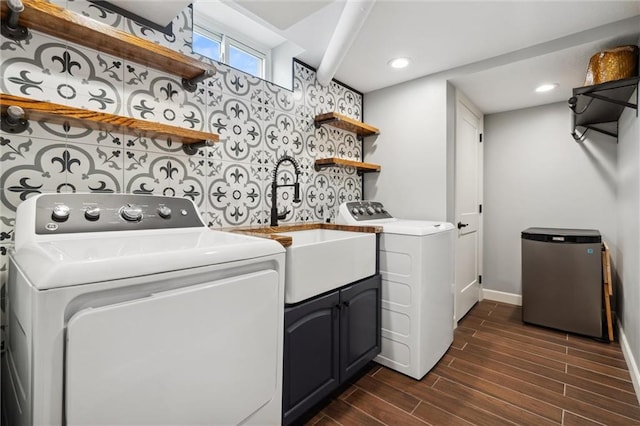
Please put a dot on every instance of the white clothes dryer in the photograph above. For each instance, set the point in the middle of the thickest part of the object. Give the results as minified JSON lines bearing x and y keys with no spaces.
{"x":127,"y":310}
{"x":417,"y":268}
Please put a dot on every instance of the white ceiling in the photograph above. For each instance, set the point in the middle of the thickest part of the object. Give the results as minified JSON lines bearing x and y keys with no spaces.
{"x":282,"y":14}
{"x":496,"y":52}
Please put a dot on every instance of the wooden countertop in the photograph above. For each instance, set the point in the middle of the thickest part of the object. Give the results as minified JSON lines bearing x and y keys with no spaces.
{"x":273,"y":232}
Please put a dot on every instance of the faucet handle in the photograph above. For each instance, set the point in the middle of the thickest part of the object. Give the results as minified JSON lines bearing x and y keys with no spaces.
{"x":282,"y":216}
{"x":296,"y":192}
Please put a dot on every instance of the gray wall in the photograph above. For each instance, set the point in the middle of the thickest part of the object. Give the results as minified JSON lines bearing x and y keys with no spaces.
{"x":628,"y":218}
{"x":536,"y":175}
{"x":411,"y":148}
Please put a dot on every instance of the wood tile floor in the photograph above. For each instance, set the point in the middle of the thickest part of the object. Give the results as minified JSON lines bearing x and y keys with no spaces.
{"x":498,"y":371}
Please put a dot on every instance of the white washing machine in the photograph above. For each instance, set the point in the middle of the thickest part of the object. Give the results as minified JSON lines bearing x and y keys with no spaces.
{"x":417,"y":268}
{"x":127,"y":310}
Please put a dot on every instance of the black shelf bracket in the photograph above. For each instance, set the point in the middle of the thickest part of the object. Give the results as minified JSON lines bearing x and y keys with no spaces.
{"x":13,"y":120}
{"x":573,"y":104}
{"x":601,"y":104}
{"x":190,"y":84}
{"x":320,"y":167}
{"x":614,"y":101}
{"x":580,"y":137}
{"x":10,"y":27}
{"x":192,"y":148}
{"x":318,"y":123}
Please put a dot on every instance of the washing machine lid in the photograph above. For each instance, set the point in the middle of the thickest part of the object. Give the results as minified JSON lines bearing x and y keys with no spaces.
{"x":90,"y":258}
{"x":373,"y":213}
{"x":414,"y":227}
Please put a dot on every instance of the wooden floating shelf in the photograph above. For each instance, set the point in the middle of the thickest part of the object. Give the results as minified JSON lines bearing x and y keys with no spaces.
{"x":345,"y":123}
{"x":77,"y":117}
{"x":65,"y":24}
{"x":341,"y":162}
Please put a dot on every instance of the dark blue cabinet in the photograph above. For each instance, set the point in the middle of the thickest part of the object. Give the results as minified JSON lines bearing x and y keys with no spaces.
{"x":328,"y":339}
{"x":311,"y":354}
{"x":360,"y":326}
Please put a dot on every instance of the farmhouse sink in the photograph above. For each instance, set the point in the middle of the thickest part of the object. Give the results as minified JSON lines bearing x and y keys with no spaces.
{"x":320,"y":260}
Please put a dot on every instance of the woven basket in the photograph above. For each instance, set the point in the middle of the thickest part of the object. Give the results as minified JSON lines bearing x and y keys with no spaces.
{"x":612,"y":64}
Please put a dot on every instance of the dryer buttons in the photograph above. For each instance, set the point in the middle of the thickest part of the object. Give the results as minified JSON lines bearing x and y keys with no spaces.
{"x":92,"y":213}
{"x":131,"y":213}
{"x":60,"y":213}
{"x":164,"y":212}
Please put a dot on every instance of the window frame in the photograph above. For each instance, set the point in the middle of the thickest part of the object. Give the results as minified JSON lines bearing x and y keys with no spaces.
{"x":226,"y":38}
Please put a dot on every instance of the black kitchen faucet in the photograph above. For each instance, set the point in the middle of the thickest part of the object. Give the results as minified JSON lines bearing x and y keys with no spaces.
{"x":275,"y":216}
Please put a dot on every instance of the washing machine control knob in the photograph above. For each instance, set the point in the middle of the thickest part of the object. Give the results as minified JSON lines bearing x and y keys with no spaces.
{"x":164,"y":212}
{"x":379,"y":209}
{"x":370,"y":210}
{"x":131,"y":213}
{"x":92,"y":213}
{"x":60,"y":213}
{"x":361,"y":210}
{"x":354,"y":211}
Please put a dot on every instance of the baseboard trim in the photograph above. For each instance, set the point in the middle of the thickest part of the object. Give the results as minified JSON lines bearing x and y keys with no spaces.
{"x":634,"y":372}
{"x":501,"y":296}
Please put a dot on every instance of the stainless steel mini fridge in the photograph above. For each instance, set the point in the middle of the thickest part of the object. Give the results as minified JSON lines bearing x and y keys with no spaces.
{"x":562,"y":279}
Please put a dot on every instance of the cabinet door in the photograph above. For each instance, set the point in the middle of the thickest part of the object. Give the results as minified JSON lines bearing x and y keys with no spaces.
{"x":311,"y":354}
{"x":360,"y":327}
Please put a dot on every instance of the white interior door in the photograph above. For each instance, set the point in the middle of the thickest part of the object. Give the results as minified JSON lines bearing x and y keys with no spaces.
{"x":468,"y":185}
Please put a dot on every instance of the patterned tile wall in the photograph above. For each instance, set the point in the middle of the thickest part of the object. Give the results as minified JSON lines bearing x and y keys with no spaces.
{"x":258,"y":123}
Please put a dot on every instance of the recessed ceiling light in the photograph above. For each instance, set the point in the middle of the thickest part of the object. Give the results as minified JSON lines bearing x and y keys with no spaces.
{"x":399,"y":63}
{"x":546,"y":87}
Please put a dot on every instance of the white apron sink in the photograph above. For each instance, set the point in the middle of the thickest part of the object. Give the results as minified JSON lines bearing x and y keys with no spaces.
{"x":320,"y":260}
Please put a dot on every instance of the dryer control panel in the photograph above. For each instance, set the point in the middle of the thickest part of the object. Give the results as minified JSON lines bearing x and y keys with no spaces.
{"x":73,"y":213}
{"x":360,"y":211}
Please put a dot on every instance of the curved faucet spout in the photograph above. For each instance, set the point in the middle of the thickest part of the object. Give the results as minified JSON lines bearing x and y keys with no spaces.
{"x":274,"y":188}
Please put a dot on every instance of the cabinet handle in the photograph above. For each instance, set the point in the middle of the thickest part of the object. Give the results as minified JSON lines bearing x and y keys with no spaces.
{"x":346,"y":304}
{"x":335,"y":311}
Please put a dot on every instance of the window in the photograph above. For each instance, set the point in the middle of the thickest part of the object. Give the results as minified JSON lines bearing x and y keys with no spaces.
{"x":245,"y":61}
{"x":225,"y":49}
{"x":206,"y":46}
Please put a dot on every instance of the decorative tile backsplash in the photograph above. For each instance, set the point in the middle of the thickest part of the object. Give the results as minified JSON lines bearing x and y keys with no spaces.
{"x":258,"y":122}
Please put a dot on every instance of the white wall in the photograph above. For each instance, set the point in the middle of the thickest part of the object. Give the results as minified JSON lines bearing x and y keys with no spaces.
{"x":628,"y":248}
{"x":282,"y":66}
{"x":535,"y":174}
{"x":411,"y":148}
